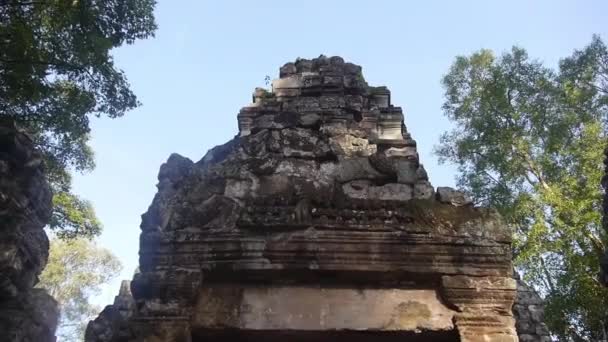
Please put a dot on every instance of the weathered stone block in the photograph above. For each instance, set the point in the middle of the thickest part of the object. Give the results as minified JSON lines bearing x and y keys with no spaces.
{"x":407,"y":170}
{"x":452,"y":196}
{"x":349,"y":146}
{"x":287,"y":70}
{"x":355,"y":168}
{"x":388,"y":192}
{"x":319,"y":308}
{"x":423,"y":190}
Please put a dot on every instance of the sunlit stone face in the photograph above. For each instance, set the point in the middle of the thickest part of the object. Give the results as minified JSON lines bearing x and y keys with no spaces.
{"x":316,"y":308}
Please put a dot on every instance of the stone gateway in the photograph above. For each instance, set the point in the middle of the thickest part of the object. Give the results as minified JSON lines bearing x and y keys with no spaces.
{"x":318,"y":222}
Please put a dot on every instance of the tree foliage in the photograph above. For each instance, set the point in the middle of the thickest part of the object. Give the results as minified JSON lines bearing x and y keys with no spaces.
{"x":56,"y":72}
{"x":528,"y":140}
{"x":75,"y":271}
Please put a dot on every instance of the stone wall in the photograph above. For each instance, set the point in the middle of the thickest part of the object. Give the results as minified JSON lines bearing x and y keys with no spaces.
{"x":112,"y":322}
{"x":529,"y":315}
{"x":26,"y":314}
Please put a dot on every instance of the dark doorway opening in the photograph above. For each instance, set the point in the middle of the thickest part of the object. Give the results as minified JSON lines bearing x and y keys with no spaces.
{"x":235,"y":335}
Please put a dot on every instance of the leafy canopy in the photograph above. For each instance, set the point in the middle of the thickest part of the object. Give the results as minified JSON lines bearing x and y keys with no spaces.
{"x":56,"y":72}
{"x":75,"y":271}
{"x":528,"y":140}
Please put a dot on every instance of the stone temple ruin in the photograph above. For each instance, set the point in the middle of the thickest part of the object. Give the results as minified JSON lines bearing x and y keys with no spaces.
{"x":27,"y":314}
{"x":318,"y":223}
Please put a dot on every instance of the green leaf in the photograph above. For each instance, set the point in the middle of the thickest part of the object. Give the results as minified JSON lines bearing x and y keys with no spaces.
{"x":75,"y":271}
{"x":528,"y":141}
{"x":56,"y":72}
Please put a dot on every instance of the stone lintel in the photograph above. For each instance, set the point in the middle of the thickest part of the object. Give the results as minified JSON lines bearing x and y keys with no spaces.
{"x":316,"y":308}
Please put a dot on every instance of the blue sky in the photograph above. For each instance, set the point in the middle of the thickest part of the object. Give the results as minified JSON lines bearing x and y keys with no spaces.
{"x":208,"y":56}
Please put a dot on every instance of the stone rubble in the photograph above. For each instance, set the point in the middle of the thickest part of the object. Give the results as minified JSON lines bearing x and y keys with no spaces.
{"x":529,"y":315}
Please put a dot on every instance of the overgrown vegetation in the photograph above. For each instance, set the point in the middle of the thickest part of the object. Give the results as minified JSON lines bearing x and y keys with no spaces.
{"x":529,"y":141}
{"x":75,"y":271}
{"x":56,"y":73}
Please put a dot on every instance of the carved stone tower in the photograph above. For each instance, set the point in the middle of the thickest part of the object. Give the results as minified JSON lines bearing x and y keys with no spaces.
{"x":316,"y":223}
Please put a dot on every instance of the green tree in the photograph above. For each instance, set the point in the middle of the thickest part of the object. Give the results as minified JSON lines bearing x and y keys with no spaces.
{"x":76,"y":270}
{"x":56,"y":72}
{"x":528,"y":140}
